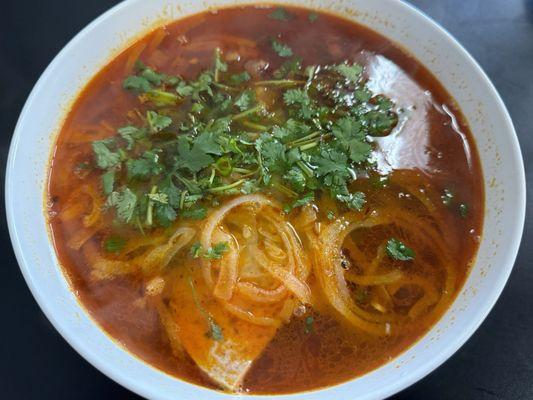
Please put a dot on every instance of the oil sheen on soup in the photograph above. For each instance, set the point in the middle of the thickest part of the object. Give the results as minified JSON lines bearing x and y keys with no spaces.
{"x":265,"y":200}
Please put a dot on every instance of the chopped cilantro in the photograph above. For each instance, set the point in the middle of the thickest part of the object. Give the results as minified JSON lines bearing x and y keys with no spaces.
{"x":114,"y":244}
{"x":447,"y":197}
{"x":105,"y":158}
{"x":245,"y":100}
{"x":217,"y":251}
{"x":196,"y":250}
{"x":195,"y":213}
{"x":309,"y":324}
{"x":157,"y":122}
{"x":193,"y":158}
{"x":301,"y":132}
{"x":281,"y":49}
{"x":306,"y":199}
{"x":214,"y":330}
{"x":351,"y":72}
{"x":281,"y":14}
{"x":312,"y":16}
{"x":131,"y":134}
{"x":137,"y":84}
{"x":240,"y":78}
{"x":124,"y":203}
{"x":463,"y":210}
{"x":354,"y":200}
{"x":399,"y":251}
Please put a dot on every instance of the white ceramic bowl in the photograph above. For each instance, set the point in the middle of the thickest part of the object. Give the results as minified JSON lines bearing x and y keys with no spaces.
{"x":45,"y":109}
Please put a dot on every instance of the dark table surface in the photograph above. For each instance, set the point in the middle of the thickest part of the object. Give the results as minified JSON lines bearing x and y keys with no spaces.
{"x":496,"y":363}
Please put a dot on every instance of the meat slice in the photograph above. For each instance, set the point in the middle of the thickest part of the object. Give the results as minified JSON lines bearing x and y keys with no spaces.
{"x":226,"y":360}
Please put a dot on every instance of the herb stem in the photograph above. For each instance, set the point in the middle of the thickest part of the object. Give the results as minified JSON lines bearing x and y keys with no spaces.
{"x":298,"y":142}
{"x":253,"y":125}
{"x":242,"y":170}
{"x":284,"y":189}
{"x":219,"y":189}
{"x":279,"y":82}
{"x":150,"y":208}
{"x":225,"y":87}
{"x":243,"y":114}
{"x":305,"y":168}
{"x":309,"y":145}
{"x":182,"y":199}
{"x":217,"y":58}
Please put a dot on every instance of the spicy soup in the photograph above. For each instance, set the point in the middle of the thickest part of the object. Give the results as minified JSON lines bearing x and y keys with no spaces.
{"x":265,"y":200}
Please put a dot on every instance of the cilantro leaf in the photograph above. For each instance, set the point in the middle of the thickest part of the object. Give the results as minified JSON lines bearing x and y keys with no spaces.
{"x":172,"y":192}
{"x":309,"y":322}
{"x":299,"y":97}
{"x":137,"y":84}
{"x":296,"y":179}
{"x":351,"y":72}
{"x":354,"y":200}
{"x":207,"y":143}
{"x":194,"y":213}
{"x":151,"y":76}
{"x":131,"y":134}
{"x":350,"y":136}
{"x":272,"y":154}
{"x":302,"y":201}
{"x":330,"y":161}
{"x":312,"y":16}
{"x":215,"y":331}
{"x":281,"y":14}
{"x":165,"y":214}
{"x":146,"y":166}
{"x":399,"y":251}
{"x":240,"y":78}
{"x":114,"y":244}
{"x":105,"y":158}
{"x":192,"y":158}
{"x":245,"y":100}
{"x":288,"y":68}
{"x":217,"y":251}
{"x":196,"y":250}
{"x":463,"y":210}
{"x":184,"y":90}
{"x":124,"y":203}
{"x":281,"y":49}
{"x":157,"y":122}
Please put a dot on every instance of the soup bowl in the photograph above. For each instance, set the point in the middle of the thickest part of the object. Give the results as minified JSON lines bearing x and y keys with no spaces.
{"x":92,"y":48}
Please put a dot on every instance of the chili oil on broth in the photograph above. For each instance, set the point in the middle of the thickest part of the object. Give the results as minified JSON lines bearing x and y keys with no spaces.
{"x":430,"y":157}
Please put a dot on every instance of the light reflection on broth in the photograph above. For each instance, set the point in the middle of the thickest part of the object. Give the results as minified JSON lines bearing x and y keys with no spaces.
{"x":245,"y":223}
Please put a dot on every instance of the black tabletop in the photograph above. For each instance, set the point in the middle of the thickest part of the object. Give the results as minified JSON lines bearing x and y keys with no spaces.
{"x":496,"y":363}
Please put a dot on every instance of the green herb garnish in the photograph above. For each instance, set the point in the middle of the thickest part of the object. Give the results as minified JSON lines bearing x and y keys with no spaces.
{"x":281,"y":14}
{"x":463,"y":210}
{"x":114,"y":244}
{"x":399,"y":251}
{"x":309,"y":325}
{"x":281,"y":49}
{"x":197,"y":141}
{"x":312,"y":17}
{"x":214,"y":330}
{"x":217,"y":251}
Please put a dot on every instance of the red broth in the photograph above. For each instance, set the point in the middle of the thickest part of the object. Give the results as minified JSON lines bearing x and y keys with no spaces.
{"x":434,"y":142}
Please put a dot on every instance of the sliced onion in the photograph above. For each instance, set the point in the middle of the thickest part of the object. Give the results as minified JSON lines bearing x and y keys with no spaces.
{"x":227,"y":276}
{"x":260,"y":295}
{"x":216,"y":218}
{"x":249,"y":316}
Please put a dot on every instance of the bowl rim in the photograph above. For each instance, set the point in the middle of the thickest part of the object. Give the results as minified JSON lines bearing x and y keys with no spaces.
{"x":138,"y":387}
